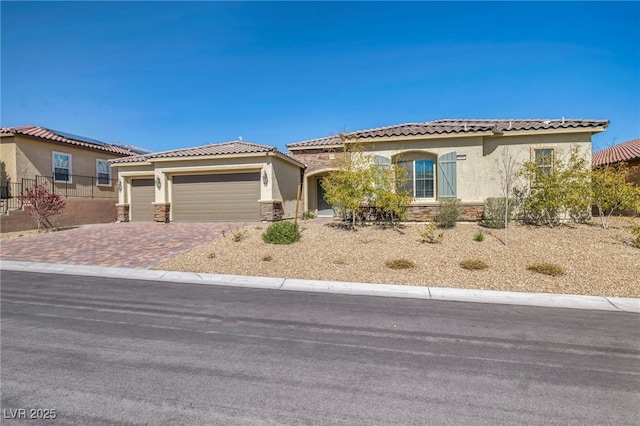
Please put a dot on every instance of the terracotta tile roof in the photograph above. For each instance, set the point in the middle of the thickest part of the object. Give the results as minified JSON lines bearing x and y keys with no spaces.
{"x":461,"y":126}
{"x":66,"y":138}
{"x":626,"y":151}
{"x":225,"y":148}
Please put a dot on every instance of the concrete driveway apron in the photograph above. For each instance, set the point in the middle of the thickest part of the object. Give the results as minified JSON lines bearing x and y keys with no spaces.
{"x":132,"y":245}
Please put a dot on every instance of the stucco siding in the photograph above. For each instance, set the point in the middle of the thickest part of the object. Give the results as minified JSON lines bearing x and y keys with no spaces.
{"x":478,"y":162}
{"x":8,"y":156}
{"x":286,"y":178}
{"x":34,"y":157}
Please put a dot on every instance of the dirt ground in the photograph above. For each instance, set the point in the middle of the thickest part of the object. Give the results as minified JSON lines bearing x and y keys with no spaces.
{"x":601,"y":262}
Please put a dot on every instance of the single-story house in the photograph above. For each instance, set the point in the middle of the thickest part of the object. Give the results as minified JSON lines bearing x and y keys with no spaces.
{"x":74,"y":166}
{"x":446,"y":159}
{"x":232,"y":181}
{"x":629,"y":152}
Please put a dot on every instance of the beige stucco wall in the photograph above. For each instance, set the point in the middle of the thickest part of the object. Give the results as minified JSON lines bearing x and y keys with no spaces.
{"x":8,"y":158}
{"x":283,"y":176}
{"x":26,"y":157}
{"x":286,"y":178}
{"x":478,"y":176}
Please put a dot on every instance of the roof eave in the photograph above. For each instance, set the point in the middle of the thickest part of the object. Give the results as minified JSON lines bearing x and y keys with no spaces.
{"x":529,"y":132}
{"x":92,"y":148}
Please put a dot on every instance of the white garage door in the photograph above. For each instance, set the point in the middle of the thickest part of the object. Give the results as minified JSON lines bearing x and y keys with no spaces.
{"x":142,"y":196}
{"x":216,"y":198}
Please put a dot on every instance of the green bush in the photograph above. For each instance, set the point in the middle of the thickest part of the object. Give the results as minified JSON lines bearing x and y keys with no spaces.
{"x":478,"y":236}
{"x":281,"y":233}
{"x":493,"y":216}
{"x":448,"y":212}
{"x":309,"y":214}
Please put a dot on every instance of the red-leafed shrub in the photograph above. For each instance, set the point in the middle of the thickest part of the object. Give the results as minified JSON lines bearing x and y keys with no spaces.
{"x":42,"y":204}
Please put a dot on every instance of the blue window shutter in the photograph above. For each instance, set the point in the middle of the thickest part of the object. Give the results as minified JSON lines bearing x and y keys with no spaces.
{"x":447,"y":185}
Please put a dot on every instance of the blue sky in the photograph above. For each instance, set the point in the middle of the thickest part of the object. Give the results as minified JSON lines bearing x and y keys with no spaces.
{"x":166,"y":75}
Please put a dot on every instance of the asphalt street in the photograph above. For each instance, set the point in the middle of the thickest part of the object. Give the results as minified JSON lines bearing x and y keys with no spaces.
{"x":110,"y":351}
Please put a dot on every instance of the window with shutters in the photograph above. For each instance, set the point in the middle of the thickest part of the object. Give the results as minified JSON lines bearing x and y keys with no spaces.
{"x":429,"y":179}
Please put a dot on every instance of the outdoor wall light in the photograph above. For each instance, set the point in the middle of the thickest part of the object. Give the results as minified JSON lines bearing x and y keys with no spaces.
{"x":265,"y":177}
{"x":119,"y":185}
{"x":158,"y":182}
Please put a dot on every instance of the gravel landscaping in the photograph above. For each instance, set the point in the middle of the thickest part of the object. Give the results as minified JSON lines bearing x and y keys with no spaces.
{"x":596,"y":261}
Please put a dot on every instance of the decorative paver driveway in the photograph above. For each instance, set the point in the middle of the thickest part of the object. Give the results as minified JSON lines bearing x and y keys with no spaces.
{"x":133,"y":245}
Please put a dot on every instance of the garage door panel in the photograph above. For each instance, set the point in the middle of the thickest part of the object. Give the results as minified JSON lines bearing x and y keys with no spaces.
{"x":142,"y":197}
{"x":217,"y":197}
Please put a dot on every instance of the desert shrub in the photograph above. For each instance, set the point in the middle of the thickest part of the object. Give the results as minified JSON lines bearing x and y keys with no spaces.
{"x":494,"y":209}
{"x":613,"y":190}
{"x":239,"y":235}
{"x":478,"y":236}
{"x":431,"y":234}
{"x":309,"y":214}
{"x":400,"y":264}
{"x":281,"y":233}
{"x":634,"y":228}
{"x":339,"y":261}
{"x":558,"y":189}
{"x":42,"y":204}
{"x":267,"y":258}
{"x":447,"y":213}
{"x":473,"y":264}
{"x":546,"y":268}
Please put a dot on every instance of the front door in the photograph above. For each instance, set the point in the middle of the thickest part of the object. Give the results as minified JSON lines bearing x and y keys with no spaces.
{"x":324,"y":208}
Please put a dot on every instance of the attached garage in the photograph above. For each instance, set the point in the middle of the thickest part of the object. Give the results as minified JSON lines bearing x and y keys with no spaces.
{"x":216,"y":197}
{"x":234,"y":181}
{"x":142,"y":197}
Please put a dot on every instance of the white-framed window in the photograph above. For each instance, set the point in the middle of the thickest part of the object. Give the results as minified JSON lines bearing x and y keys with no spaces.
{"x":61,"y":166}
{"x":103,"y":173}
{"x":421,"y":178}
{"x":544,"y":157}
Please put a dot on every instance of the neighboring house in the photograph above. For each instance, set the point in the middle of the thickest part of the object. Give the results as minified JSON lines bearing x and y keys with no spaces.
{"x":447,"y":159}
{"x":74,"y":166}
{"x":232,"y":181}
{"x":629,"y":152}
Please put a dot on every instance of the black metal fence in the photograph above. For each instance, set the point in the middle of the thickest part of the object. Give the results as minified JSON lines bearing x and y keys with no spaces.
{"x":76,"y":186}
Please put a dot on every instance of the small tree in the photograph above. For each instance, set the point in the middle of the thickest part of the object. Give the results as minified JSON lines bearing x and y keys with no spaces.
{"x":508,"y":172}
{"x":389,"y":194}
{"x":359,"y":182}
{"x":561,"y":189}
{"x":612,"y":191}
{"x":350,"y":185}
{"x":42,"y":204}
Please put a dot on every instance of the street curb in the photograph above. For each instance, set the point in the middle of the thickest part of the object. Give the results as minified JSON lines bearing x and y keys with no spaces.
{"x":619,"y":304}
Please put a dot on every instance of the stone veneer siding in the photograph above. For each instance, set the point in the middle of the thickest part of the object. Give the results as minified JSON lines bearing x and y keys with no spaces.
{"x":122,"y":212}
{"x":161,"y":212}
{"x":421,"y":213}
{"x":271,"y":211}
{"x":316,"y":159}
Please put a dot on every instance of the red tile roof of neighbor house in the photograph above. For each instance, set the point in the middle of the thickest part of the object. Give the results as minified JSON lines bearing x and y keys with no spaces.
{"x":67,"y":138}
{"x":225,"y":148}
{"x":456,"y":126}
{"x":626,"y":151}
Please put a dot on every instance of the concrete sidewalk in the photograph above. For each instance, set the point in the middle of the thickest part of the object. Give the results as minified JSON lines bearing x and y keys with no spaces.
{"x":619,"y":304}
